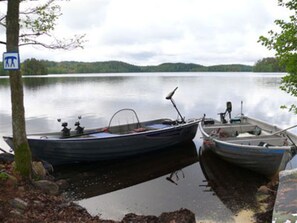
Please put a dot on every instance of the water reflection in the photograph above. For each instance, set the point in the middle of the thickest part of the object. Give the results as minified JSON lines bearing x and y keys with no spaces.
{"x":33,"y":83}
{"x":96,"y":97}
{"x":236,"y":187}
{"x":94,"y":179}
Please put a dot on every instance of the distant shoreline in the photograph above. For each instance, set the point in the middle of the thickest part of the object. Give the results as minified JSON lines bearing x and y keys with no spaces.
{"x":42,"y":67}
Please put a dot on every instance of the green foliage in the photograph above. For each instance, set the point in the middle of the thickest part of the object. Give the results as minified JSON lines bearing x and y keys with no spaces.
{"x":3,"y":176}
{"x":37,"y":22}
{"x":284,"y":43}
{"x":121,"y":67}
{"x":67,"y":67}
{"x":230,"y":68}
{"x":184,"y":67}
{"x":33,"y":67}
{"x":269,"y":64}
{"x":2,"y":71}
{"x":40,"y":67}
{"x":174,"y":67}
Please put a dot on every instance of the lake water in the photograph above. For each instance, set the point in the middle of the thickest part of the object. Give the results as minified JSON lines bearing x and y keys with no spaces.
{"x":181,"y":178}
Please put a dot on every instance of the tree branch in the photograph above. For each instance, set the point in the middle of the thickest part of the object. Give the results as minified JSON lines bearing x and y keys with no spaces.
{"x":36,"y":9}
{"x":1,"y":42}
{"x":3,"y":18}
{"x":70,"y":44}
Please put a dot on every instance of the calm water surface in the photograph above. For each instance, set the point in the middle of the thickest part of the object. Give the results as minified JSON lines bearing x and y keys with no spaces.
{"x":184,"y":177}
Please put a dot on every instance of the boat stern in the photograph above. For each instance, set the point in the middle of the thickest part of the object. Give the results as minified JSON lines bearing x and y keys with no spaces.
{"x":9,"y":141}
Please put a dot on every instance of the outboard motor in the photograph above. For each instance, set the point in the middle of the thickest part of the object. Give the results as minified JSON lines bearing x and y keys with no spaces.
{"x":65,"y":131}
{"x":79,"y":130}
{"x":228,"y":110}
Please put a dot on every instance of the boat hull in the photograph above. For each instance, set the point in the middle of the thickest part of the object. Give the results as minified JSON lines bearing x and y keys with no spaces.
{"x":261,"y":160}
{"x":78,"y":150}
{"x":266,"y":160}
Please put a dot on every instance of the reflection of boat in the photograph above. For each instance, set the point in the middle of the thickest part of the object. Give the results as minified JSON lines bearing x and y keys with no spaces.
{"x":235,"y":187}
{"x":88,"y":180}
{"x":250,"y":143}
{"x":112,"y":142}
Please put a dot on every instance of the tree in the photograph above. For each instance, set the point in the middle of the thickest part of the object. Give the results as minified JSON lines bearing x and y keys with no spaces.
{"x":284,"y":43}
{"x":33,"y":67}
{"x":269,"y":64}
{"x":21,"y":146}
{"x":38,"y":21}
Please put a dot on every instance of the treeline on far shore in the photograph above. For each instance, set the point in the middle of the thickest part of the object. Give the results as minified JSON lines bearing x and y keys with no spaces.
{"x":43,"y":67}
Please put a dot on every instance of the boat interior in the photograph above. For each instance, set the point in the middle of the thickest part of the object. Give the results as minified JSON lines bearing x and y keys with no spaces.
{"x":245,"y":134}
{"x":110,"y":131}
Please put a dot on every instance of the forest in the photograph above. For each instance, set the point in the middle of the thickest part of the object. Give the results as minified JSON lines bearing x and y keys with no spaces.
{"x":42,"y":67}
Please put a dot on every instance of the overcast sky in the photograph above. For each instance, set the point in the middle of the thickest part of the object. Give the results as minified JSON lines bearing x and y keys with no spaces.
{"x":151,"y":32}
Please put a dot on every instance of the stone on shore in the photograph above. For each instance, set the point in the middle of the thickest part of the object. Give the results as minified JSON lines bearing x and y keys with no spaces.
{"x":47,"y":186}
{"x":180,"y":216}
{"x":18,"y":203}
{"x":38,"y":169}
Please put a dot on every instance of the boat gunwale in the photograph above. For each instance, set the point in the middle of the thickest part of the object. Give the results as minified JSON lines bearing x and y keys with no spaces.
{"x":255,"y":147}
{"x":116,"y":136}
{"x":206,"y":136}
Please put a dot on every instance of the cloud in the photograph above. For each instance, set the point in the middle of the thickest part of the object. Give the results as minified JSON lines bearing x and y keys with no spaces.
{"x":145,"y":32}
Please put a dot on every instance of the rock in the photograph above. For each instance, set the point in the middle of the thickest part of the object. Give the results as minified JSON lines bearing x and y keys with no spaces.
{"x":21,"y":188}
{"x":6,"y":158}
{"x":39,"y":204}
{"x":63,"y":184}
{"x":49,"y":167}
{"x":288,"y":174}
{"x":17,"y":213}
{"x":18,"y":204}
{"x":8,"y":180}
{"x":38,"y":169}
{"x":181,"y":216}
{"x":133,"y":218}
{"x":265,"y":190}
{"x":2,"y":167}
{"x":12,"y":181}
{"x":47,"y":186}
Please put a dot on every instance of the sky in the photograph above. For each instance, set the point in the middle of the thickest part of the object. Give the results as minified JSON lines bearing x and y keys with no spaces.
{"x":151,"y":32}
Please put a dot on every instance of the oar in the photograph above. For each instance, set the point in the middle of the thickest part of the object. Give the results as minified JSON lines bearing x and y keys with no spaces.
{"x":283,"y":130}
